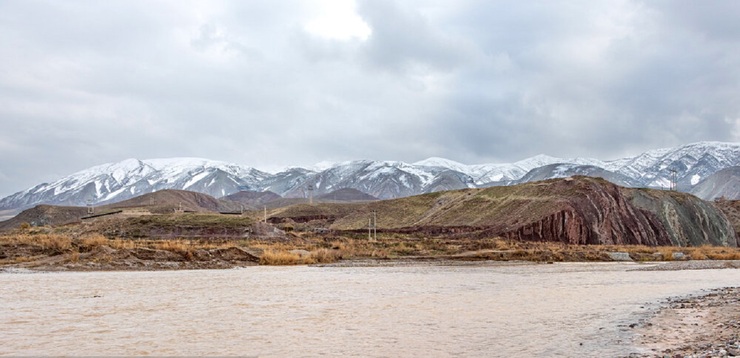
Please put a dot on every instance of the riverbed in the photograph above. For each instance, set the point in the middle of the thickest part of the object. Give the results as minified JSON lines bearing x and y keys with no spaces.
{"x":486,"y":310}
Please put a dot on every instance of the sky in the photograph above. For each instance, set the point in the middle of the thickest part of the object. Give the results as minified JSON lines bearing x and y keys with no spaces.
{"x":272,"y":84}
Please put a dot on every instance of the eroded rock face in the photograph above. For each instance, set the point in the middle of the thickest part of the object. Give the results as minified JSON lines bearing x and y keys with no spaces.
{"x":593,"y":212}
{"x":731,"y":209}
{"x":688,"y":220}
{"x":597,"y":212}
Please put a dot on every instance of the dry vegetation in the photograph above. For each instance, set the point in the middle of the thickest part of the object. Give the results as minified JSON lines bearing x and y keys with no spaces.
{"x":31,"y":244}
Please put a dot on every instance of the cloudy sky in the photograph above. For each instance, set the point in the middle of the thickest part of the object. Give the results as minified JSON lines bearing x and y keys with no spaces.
{"x":283,"y":83}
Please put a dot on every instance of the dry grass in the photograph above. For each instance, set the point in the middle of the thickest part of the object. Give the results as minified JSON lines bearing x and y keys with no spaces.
{"x":396,"y":246}
{"x":297,"y":257}
{"x":90,"y":242}
{"x":57,"y":244}
{"x":325,"y":256}
{"x":714,"y":253}
{"x":173,"y":245}
{"x":280,"y":257}
{"x":21,"y":247}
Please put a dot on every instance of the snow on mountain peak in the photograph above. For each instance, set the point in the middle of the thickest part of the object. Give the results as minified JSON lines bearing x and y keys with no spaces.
{"x":537,"y":161}
{"x":438,"y":162}
{"x":323,"y":165}
{"x":386,"y":179}
{"x":443,"y":163}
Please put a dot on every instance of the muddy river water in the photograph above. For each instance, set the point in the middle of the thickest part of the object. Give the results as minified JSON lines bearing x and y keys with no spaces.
{"x":469,"y":311}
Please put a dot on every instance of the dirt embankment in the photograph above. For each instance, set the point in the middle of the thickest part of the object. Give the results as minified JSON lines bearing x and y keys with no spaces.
{"x":104,"y":258}
{"x":55,"y":253}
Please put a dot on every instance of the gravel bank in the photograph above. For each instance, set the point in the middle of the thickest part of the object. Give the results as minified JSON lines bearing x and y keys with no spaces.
{"x":692,"y":265}
{"x":707,"y":325}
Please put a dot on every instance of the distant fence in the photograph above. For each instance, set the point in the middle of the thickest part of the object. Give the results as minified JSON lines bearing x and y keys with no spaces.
{"x":103,"y":214}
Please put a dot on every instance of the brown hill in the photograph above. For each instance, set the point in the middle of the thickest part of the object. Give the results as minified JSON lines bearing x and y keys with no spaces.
{"x":578,"y":210}
{"x":45,"y":215}
{"x":346,"y":194}
{"x":167,"y":201}
{"x":253,"y":199}
{"x":338,"y":197}
{"x":160,"y":202}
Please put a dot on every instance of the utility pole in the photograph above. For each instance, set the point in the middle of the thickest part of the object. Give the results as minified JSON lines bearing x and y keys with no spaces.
{"x":372,"y":227}
{"x":90,"y":207}
{"x":265,"y":213}
{"x":310,"y":194}
{"x":673,"y":179}
{"x":375,"y":226}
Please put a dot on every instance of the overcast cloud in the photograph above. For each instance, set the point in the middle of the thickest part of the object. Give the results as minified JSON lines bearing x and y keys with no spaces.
{"x":272,"y":84}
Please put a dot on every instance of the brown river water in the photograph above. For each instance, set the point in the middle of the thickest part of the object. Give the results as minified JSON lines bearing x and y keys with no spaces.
{"x":565,"y":310}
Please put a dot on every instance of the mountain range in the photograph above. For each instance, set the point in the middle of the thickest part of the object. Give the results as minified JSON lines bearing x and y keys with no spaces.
{"x":706,"y":169}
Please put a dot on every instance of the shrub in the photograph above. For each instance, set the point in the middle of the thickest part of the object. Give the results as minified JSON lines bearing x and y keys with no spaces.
{"x":326,"y":256}
{"x":90,"y":242}
{"x":57,"y":244}
{"x":279,"y":258}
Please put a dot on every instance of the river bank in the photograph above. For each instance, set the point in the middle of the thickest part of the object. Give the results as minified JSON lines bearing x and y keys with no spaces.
{"x":705,"y":325}
{"x":56,"y":252}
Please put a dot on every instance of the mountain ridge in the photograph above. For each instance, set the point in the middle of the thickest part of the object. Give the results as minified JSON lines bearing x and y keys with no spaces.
{"x":107,"y":183}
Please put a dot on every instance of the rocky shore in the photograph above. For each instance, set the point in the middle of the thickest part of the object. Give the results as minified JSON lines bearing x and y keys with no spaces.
{"x":706,"y":325}
{"x":692,"y":265}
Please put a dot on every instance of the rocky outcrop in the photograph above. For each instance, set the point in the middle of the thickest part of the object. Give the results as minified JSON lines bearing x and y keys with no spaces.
{"x":598,"y":212}
{"x":686,"y":219}
{"x":731,"y":209}
{"x":594,"y":212}
{"x":577,"y":210}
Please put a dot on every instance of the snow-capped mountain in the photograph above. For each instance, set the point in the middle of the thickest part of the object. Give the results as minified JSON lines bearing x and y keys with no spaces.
{"x":564,"y":170}
{"x":131,"y":177}
{"x":688,"y":165}
{"x":691,"y":163}
{"x":382,"y":179}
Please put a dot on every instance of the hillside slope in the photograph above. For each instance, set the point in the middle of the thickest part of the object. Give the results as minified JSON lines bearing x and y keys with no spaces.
{"x":166,"y":201}
{"x":731,"y":209}
{"x":579,"y":210}
{"x":160,"y":202}
{"x":45,"y":215}
{"x":722,"y":184}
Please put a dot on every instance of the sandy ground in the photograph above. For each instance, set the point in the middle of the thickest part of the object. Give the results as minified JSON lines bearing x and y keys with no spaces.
{"x":699,"y":326}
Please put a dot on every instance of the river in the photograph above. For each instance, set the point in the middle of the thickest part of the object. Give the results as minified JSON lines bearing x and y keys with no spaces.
{"x":567,"y":310}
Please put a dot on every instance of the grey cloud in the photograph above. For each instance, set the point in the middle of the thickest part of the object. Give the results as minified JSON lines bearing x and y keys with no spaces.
{"x":475,"y":81}
{"x":402,"y":39}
